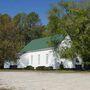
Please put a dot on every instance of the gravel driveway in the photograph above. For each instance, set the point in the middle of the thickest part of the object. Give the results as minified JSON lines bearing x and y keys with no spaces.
{"x":44,"y":81}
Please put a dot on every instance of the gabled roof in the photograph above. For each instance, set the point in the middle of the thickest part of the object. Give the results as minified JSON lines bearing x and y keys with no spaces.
{"x":40,"y":43}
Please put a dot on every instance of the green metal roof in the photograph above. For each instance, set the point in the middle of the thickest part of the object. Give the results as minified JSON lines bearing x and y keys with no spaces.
{"x":40,"y":43}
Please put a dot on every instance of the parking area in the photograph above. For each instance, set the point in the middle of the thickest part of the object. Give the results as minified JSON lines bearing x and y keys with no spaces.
{"x":44,"y":81}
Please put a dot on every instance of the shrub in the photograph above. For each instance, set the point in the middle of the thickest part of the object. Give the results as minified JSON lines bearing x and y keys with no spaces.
{"x":1,"y":66}
{"x":61,"y":66}
{"x":87,"y":66}
{"x":44,"y":68}
{"x":13,"y":66}
{"x":78,"y":67}
{"x":40,"y":68}
{"x":29,"y":68}
{"x":49,"y":68}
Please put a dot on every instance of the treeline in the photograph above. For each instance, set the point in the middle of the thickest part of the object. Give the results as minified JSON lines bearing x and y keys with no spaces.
{"x":17,"y":31}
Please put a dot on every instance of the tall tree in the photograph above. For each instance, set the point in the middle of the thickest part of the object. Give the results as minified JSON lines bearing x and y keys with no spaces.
{"x":10,"y":39}
{"x":16,"y":32}
{"x":34,"y":28}
{"x":71,"y":18}
{"x":33,"y":19}
{"x":20,"y":21}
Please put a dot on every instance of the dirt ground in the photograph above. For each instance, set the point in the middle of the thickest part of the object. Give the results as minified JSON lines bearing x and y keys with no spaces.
{"x":44,"y":81}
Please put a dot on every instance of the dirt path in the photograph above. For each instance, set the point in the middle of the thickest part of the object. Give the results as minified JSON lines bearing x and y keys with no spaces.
{"x":44,"y":81}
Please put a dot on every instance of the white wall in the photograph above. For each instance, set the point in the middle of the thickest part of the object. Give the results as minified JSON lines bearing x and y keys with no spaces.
{"x":25,"y":59}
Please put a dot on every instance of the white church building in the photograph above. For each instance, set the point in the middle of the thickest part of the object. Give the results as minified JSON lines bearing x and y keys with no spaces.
{"x":39,"y":53}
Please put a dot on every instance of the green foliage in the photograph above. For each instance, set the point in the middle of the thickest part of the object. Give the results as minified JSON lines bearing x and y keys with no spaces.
{"x":61,"y":66}
{"x":44,"y":68}
{"x":16,"y":32}
{"x":29,"y":68}
{"x":10,"y":39}
{"x":49,"y":68}
{"x":66,"y":53}
{"x":29,"y":25}
{"x":73,"y":19}
{"x":40,"y":68}
{"x":33,"y":19}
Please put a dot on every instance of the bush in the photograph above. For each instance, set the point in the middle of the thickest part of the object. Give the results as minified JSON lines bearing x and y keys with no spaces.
{"x":13,"y":66}
{"x":61,"y":66}
{"x":44,"y":68}
{"x":1,"y":66}
{"x":40,"y":68}
{"x":87,"y":66}
{"x":78,"y":67}
{"x":29,"y":68}
{"x":49,"y":68}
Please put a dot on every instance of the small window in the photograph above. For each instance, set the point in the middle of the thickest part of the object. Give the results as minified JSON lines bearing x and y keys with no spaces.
{"x":46,"y":58}
{"x":31,"y":59}
{"x":38,"y":58}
